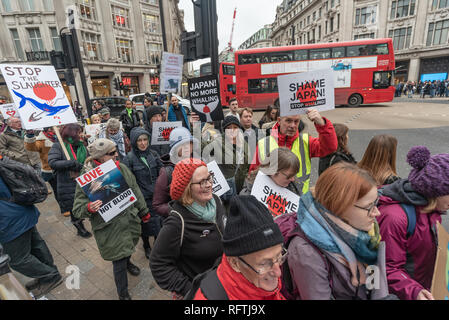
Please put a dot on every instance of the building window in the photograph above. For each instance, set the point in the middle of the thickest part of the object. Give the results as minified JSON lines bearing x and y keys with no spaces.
{"x":48,"y":5}
{"x":151,"y":23}
{"x":17,"y":44}
{"x":120,"y":17}
{"x":365,"y":15}
{"x":319,"y":12}
{"x":364,"y":36}
{"x":55,"y":39}
{"x":36,"y":39}
{"x":314,"y":16}
{"x":125,"y":51}
{"x":437,"y":33}
{"x":308,"y":20}
{"x":87,"y":9}
{"x":153,"y":2}
{"x":92,"y":46}
{"x":154,"y":53}
{"x":440,"y":4}
{"x":332,"y":24}
{"x":402,"y":8}
{"x":401,"y":38}
{"x":27,"y":5}
{"x":7,"y":5}
{"x":319,"y":33}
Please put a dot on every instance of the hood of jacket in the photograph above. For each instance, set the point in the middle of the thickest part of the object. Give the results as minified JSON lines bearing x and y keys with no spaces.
{"x":135,"y":134}
{"x":282,"y":139}
{"x":165,"y":159}
{"x":401,"y":191}
{"x":288,"y":226}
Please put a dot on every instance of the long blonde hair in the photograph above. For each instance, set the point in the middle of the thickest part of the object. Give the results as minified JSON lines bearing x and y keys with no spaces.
{"x":380,"y":157}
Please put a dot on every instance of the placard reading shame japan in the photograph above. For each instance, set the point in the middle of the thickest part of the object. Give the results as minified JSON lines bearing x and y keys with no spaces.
{"x":205,"y":98}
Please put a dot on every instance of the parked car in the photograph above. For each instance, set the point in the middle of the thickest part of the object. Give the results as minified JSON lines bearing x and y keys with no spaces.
{"x":116,"y":104}
{"x":138,"y":99}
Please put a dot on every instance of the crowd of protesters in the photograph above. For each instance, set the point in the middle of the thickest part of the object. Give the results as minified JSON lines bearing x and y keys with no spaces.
{"x":231,"y":246}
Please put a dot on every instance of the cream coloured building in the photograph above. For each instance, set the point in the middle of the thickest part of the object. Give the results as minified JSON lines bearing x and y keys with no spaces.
{"x":419,"y":28}
{"x":118,"y":38}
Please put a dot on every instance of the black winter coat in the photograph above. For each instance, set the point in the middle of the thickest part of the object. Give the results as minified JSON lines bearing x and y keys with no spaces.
{"x":126,"y":121}
{"x":63,"y":168}
{"x":161,"y":149}
{"x":334,"y":158}
{"x":174,"y":266}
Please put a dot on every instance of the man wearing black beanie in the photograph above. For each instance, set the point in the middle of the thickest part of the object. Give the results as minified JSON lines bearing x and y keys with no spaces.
{"x":250,"y":268}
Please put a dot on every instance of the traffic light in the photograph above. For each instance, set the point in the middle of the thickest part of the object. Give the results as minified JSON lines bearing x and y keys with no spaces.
{"x":121,"y":86}
{"x":57,"y":59}
{"x":188,"y":46}
{"x":203,"y":23}
{"x":116,"y":84}
{"x":69,"y":51}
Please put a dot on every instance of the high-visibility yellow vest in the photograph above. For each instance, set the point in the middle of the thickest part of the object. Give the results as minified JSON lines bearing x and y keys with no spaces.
{"x":300,"y":148}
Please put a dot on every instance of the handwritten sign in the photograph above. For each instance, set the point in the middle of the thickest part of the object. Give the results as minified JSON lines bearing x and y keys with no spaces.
{"x":300,"y":91}
{"x":220,"y":185}
{"x":161,"y":132}
{"x":93,"y":131}
{"x":277,"y":199}
{"x":38,"y":95}
{"x":171,"y":72}
{"x":107,"y":184}
{"x":9,"y":110}
{"x":440,"y":281}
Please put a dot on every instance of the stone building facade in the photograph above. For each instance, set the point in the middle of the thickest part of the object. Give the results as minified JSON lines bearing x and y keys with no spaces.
{"x":118,"y":39}
{"x":419,"y":29}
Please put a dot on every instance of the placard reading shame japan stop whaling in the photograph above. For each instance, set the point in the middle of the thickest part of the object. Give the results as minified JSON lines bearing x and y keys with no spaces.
{"x":204,"y":95}
{"x":300,"y":91}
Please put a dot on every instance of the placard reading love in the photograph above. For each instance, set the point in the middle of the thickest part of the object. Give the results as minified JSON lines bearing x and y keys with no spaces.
{"x":107,"y":184}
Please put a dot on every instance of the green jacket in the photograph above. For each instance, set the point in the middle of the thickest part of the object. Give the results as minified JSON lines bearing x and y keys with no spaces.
{"x":117,"y":238}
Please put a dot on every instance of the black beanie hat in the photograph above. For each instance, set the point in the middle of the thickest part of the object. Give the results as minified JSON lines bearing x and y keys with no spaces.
{"x":152,"y":111}
{"x":249,"y":227}
{"x":231,"y":120}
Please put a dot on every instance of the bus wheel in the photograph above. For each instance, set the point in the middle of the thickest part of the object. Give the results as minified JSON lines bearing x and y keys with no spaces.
{"x":355,"y":100}
{"x":276,"y":103}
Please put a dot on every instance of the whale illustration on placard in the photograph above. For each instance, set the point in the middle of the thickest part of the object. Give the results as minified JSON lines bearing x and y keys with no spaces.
{"x":52,"y":110}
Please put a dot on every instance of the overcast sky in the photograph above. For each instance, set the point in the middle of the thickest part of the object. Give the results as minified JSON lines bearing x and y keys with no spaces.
{"x":252,"y":15}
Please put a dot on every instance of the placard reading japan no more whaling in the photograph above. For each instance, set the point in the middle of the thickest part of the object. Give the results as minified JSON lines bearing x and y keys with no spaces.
{"x":204,"y":95}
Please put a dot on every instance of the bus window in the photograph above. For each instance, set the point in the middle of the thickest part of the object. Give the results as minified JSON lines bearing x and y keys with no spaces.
{"x":267,"y":85}
{"x":282,"y":56}
{"x":382,"y":79}
{"x":231,"y":88}
{"x":324,"y":53}
{"x":381,"y":48}
{"x":249,"y":59}
{"x":301,"y":55}
{"x":228,"y":69}
{"x":338,"y":52}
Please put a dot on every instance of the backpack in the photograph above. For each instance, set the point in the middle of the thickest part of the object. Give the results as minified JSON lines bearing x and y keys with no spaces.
{"x":25,"y":184}
{"x":410,"y":212}
{"x":210,"y":286}
{"x":288,"y":290}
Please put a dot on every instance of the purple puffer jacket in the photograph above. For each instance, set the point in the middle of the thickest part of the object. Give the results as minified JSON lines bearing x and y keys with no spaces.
{"x":410,"y":262}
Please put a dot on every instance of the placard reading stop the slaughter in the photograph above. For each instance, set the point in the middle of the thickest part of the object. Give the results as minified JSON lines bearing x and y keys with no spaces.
{"x":300,"y":91}
{"x":38,"y":95}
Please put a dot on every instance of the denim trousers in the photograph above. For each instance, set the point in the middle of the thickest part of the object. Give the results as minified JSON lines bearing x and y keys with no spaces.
{"x":31,"y":257}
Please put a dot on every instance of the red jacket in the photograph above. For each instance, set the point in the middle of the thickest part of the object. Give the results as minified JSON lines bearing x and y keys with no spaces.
{"x":237,"y":287}
{"x":325,"y":144}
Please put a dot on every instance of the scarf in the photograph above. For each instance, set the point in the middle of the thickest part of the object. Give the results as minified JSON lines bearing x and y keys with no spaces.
{"x":207,"y":213}
{"x":130,"y":111}
{"x":119,"y":141}
{"x":50,"y":135}
{"x":345,"y":243}
{"x":81,"y":151}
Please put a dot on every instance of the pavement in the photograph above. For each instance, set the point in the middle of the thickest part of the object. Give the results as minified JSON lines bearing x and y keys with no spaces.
{"x":96,"y":275}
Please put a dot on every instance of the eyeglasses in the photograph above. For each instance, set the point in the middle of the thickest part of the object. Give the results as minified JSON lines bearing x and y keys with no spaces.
{"x":287,"y":177}
{"x":203,"y":183}
{"x":267,"y":266}
{"x":370,"y":208}
{"x":112,"y":153}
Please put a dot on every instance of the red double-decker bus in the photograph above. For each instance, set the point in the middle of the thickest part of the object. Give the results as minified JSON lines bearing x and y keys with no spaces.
{"x":363,"y":71}
{"x":226,"y":79}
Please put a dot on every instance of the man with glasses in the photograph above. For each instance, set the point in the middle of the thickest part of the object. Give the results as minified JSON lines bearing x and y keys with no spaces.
{"x":250,"y":268}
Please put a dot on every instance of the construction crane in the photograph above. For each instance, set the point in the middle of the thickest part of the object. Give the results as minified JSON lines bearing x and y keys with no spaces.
{"x":232,"y":31}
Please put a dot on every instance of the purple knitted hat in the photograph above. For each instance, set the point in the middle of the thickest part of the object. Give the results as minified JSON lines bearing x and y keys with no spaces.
{"x":430,"y":174}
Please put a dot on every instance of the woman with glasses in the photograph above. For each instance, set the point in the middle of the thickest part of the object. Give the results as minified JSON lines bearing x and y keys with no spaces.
{"x":333,"y":240}
{"x":117,"y":238}
{"x":410,"y":210}
{"x":253,"y":255}
{"x":189,"y":242}
{"x":282,"y":168}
